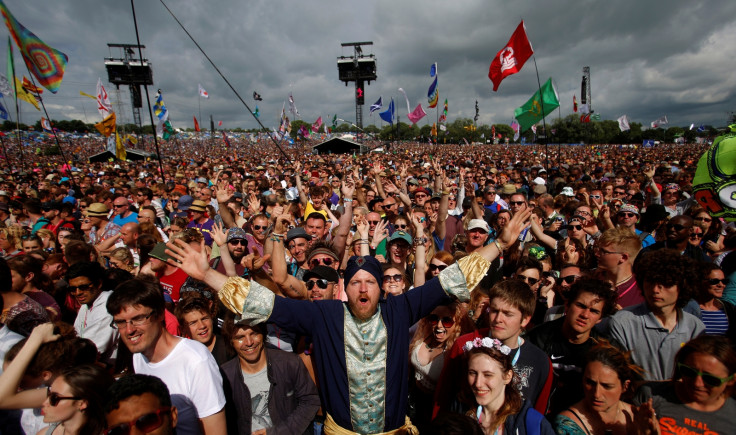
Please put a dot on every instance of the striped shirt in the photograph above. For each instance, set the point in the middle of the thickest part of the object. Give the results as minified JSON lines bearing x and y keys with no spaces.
{"x":716,"y":322}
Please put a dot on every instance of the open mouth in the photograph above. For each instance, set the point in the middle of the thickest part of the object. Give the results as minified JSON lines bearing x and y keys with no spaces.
{"x":363,"y":300}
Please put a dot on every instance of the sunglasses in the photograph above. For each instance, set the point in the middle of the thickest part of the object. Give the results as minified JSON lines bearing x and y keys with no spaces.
{"x":440,"y":267}
{"x":321,"y":283}
{"x":567,"y":279}
{"x":708,"y":378}
{"x":595,"y":196}
{"x":574,"y":227}
{"x":516,"y":202}
{"x":395,"y":278}
{"x":676,"y":227}
{"x":119,"y":205}
{"x":421,"y":195}
{"x":703,"y":219}
{"x":716,"y":281}
{"x":260,"y":227}
{"x":528,"y":279}
{"x":447,"y":321}
{"x":388,"y":205}
{"x":236,"y":242}
{"x":618,"y":192}
{"x":145,"y":423}
{"x":55,"y":398}
{"x":626,"y":214}
{"x":696,"y":235}
{"x":82,"y":288}
{"x":401,"y":226}
{"x":373,"y":222}
{"x":324,"y":261}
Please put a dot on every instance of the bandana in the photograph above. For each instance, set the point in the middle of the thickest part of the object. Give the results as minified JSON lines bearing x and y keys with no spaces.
{"x":367,"y":263}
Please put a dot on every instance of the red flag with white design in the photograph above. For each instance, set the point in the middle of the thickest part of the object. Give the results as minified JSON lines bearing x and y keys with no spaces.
{"x":202,"y":92}
{"x":103,"y":101}
{"x":512,"y":57}
{"x":196,"y":124}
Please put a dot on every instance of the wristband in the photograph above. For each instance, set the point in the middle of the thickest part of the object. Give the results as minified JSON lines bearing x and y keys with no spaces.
{"x":276,"y":239}
{"x":498,"y":245}
{"x":347,"y":200}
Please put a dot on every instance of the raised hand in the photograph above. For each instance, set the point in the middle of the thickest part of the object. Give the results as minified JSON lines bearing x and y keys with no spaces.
{"x":516,"y":225}
{"x":380,"y":233}
{"x":254,"y":261}
{"x":223,"y":193}
{"x":188,"y":259}
{"x":218,"y":234}
{"x":347,"y":189}
{"x":44,"y":333}
{"x":362,"y":226}
{"x":254,"y":203}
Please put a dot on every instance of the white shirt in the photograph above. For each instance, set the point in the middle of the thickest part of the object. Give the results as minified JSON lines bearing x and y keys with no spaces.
{"x":7,"y":339}
{"x":94,"y":324}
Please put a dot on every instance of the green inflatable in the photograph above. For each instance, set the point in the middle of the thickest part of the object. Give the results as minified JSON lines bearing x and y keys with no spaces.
{"x":714,"y":184}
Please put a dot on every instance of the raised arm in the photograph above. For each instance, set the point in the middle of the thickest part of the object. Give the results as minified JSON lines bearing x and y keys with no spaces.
{"x":420,"y":254}
{"x":220,"y":238}
{"x":223,"y":195}
{"x":441,"y":228}
{"x":298,"y":178}
{"x":343,"y":229}
{"x":541,"y":236}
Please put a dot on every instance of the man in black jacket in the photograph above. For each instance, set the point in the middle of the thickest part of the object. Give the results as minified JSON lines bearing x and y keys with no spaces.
{"x":266,"y":389}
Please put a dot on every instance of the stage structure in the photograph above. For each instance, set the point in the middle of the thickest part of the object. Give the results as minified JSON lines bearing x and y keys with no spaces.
{"x":129,"y":70}
{"x":358,"y":68}
{"x":585,"y":97}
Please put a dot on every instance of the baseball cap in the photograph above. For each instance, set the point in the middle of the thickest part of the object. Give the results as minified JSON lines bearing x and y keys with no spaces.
{"x":185,"y":201}
{"x":235,"y":233}
{"x":567,"y":191}
{"x":323,"y":272}
{"x":159,"y":252}
{"x":400,"y":235}
{"x":628,"y":208}
{"x":479,"y":224}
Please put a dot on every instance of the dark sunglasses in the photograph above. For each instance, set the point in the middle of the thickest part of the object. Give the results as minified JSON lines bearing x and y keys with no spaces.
{"x":516,"y":202}
{"x":236,"y":242}
{"x":373,"y":222}
{"x":528,"y":279}
{"x":440,"y":267}
{"x":324,"y":261}
{"x":321,"y":283}
{"x":447,"y":321}
{"x":708,"y":378}
{"x":626,"y":214}
{"x":703,"y":219}
{"x":568,"y":279}
{"x":574,"y":227}
{"x":55,"y":398}
{"x":83,"y":288}
{"x":260,"y":227}
{"x":401,"y":226}
{"x":676,"y":227}
{"x":145,"y":423}
{"x":716,"y":281}
{"x":388,"y":205}
{"x":696,"y":235}
{"x":395,"y":278}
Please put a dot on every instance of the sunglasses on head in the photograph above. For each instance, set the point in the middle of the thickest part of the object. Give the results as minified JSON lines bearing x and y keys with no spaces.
{"x":574,"y":227}
{"x":236,"y":242}
{"x":528,"y":279}
{"x":440,"y":267}
{"x":447,"y":321}
{"x":716,"y":281}
{"x":321,"y":283}
{"x":55,"y":398}
{"x":708,"y":378}
{"x":567,"y":279}
{"x":395,"y":278}
{"x":323,"y":261}
{"x":145,"y":423}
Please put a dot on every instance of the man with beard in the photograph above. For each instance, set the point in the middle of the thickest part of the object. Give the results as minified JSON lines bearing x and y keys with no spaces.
{"x":361,"y":346}
{"x":93,"y":320}
{"x":321,"y":282}
{"x":237,"y":246}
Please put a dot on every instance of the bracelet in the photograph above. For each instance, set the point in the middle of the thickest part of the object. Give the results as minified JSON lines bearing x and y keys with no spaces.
{"x":278,"y":235}
{"x":498,"y":245}
{"x":445,"y":192}
{"x":347,"y":200}
{"x":276,"y":239}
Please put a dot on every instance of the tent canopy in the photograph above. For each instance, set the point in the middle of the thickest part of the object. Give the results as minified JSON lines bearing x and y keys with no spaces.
{"x":339,"y":145}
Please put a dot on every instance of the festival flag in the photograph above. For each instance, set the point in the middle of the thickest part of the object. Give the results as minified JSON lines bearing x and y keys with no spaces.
{"x":408,"y":106}
{"x":574,"y":104}
{"x":417,"y":114}
{"x":257,"y":112}
{"x":196,"y":124}
{"x":45,"y":63}
{"x":623,"y":123}
{"x":390,"y":114}
{"x":534,"y":129}
{"x":167,"y":130}
{"x":202,"y":92}
{"x":659,"y":122}
{"x":334,"y":121}
{"x":159,"y":108}
{"x":31,"y":88}
{"x":3,"y":112}
{"x":470,"y":127}
{"x":130,"y":140}
{"x":433,"y":70}
{"x":701,"y":128}
{"x":45,"y":124}
{"x":443,"y":127}
{"x":512,"y":57}
{"x":515,"y":126}
{"x":443,"y":117}
{"x":596,"y":117}
{"x":107,"y":126}
{"x":584,"y":118}
{"x":84,"y":94}
{"x":103,"y":101}
{"x":257,"y":96}
{"x":538,"y":106}
{"x":585,"y":108}
{"x":476,"y":112}
{"x":24,"y":95}
{"x":219,"y":123}
{"x":691,"y":127}
{"x":304,"y":131}
{"x":317,"y":124}
{"x":120,"y":151}
{"x":5,"y":87}
{"x":292,"y":107}
{"x":378,"y":105}
{"x":493,"y":131}
{"x":433,"y":132}
{"x":227,"y":141}
{"x":433,"y":94}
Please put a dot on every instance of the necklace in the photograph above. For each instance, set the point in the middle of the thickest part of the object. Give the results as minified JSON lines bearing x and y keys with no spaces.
{"x":431,"y":349}
{"x":623,"y":280}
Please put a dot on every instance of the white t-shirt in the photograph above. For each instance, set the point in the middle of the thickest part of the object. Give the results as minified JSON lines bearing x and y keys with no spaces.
{"x":194,"y":381}
{"x":94,"y":324}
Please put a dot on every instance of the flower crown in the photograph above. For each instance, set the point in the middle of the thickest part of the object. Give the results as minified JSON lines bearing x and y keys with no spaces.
{"x":490,"y":343}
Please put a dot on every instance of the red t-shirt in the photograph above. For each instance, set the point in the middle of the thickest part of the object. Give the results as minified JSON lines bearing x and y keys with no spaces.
{"x":172,"y":284}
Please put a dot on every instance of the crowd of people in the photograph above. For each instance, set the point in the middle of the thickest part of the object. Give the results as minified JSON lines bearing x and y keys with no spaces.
{"x":429,"y":289}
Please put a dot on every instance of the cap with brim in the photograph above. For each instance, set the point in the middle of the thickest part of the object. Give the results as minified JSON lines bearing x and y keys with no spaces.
{"x":422,"y":190}
{"x":628,"y":208}
{"x":400,"y":235}
{"x":198,"y":205}
{"x":479,"y":224}
{"x":159,"y":252}
{"x":508,"y":189}
{"x":97,"y":209}
{"x":567,"y":191}
{"x":322,"y":272}
{"x":202,"y":180}
{"x":297,"y":233}
{"x":185,"y":201}
{"x":235,"y":233}
{"x":413,"y":181}
{"x":539,"y":189}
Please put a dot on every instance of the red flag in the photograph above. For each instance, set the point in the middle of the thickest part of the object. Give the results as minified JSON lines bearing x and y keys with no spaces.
{"x":574,"y":104}
{"x":219,"y":124}
{"x":493,"y":131}
{"x":585,"y":118}
{"x":512,"y":57}
{"x":196,"y":124}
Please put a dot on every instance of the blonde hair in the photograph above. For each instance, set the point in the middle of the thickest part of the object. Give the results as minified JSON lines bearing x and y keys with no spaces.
{"x":624,"y":239}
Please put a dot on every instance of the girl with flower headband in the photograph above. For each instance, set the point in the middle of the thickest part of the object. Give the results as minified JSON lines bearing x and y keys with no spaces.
{"x":491,"y":380}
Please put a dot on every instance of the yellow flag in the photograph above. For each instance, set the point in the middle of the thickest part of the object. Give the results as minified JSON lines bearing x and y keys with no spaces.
{"x":25,"y":95}
{"x":84,"y":94}
{"x":120,"y":152}
{"x":107,"y":126}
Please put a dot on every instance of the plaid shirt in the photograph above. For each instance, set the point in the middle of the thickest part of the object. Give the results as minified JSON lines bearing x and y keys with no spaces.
{"x":111,"y":230}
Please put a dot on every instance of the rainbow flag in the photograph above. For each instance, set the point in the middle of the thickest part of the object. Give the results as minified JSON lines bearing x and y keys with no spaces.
{"x":44,"y":62}
{"x":433,"y":95}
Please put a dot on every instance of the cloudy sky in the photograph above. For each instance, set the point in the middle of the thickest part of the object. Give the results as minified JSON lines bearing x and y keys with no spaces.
{"x":647,"y":58}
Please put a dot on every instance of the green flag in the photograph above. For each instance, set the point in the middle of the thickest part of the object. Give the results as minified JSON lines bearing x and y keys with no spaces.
{"x":168,"y":130}
{"x":538,"y":106}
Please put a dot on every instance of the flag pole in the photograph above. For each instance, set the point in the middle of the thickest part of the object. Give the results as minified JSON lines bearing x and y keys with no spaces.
{"x":544,"y":122}
{"x":148,"y":98}
{"x":17,"y":111}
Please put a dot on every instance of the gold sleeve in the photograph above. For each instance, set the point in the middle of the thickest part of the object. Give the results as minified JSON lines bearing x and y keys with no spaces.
{"x":233,"y":293}
{"x":474,"y":267}
{"x":462,"y":277}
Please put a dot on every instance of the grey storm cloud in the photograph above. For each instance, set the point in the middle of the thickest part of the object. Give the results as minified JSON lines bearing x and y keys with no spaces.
{"x":647,"y":59}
